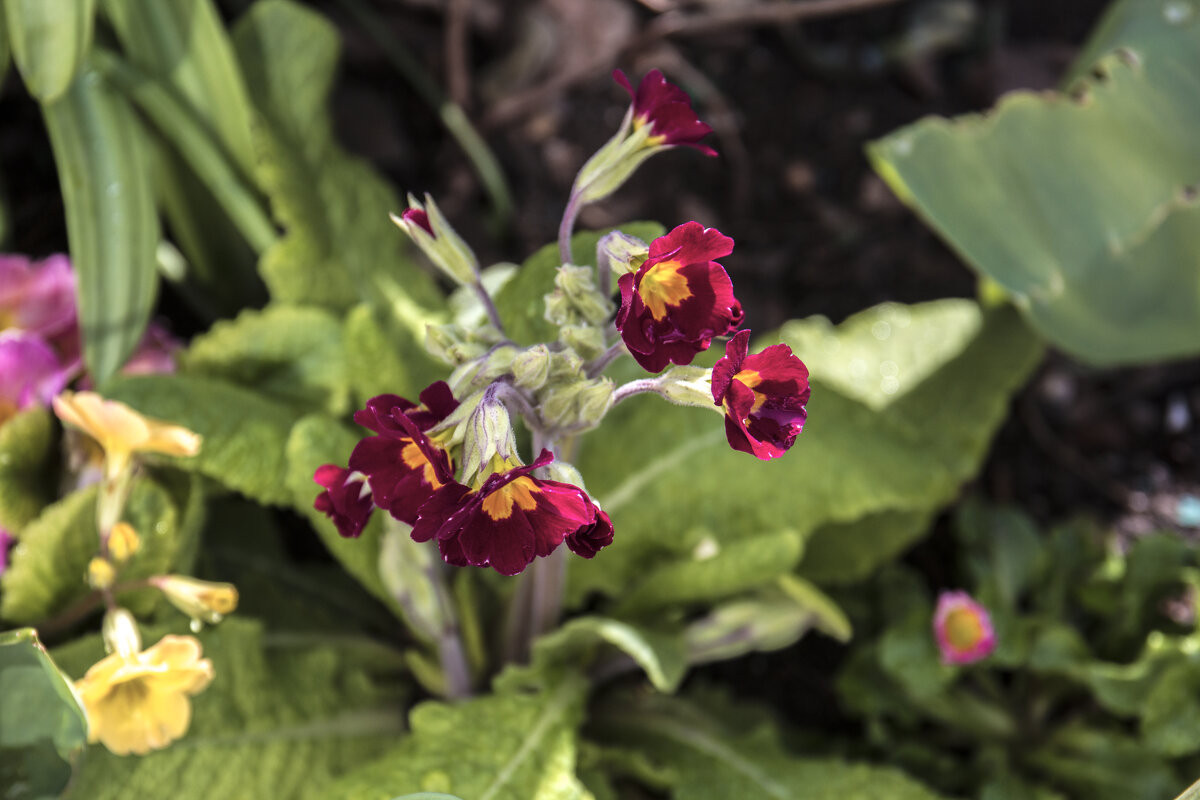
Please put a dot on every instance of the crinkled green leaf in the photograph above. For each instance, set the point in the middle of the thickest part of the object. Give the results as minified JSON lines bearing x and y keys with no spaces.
{"x":1099,"y":764}
{"x":293,"y":355}
{"x":49,"y":564}
{"x":27,"y":460}
{"x":385,"y":358}
{"x":1061,"y":198}
{"x":846,"y":552}
{"x":42,"y":725}
{"x":727,"y":758}
{"x":598,"y":642}
{"x":662,"y":471}
{"x":315,"y":441}
{"x":283,"y":718}
{"x":521,"y":300}
{"x":495,"y":747}
{"x":1171,"y":716}
{"x":49,"y":39}
{"x":340,"y":246}
{"x":244,"y":432}
{"x":112,"y":226}
{"x":1003,"y":552}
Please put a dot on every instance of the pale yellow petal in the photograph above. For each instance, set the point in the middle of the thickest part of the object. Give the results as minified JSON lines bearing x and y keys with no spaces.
{"x":171,"y":440}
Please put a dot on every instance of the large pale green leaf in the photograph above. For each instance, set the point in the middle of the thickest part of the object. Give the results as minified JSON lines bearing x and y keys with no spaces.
{"x":521,"y":300}
{"x":382,"y":356}
{"x":340,"y":245}
{"x":244,"y":432}
{"x":740,"y":755}
{"x":42,"y":726}
{"x":283,"y":718}
{"x":49,"y":39}
{"x":27,"y":460}
{"x":1076,"y":203}
{"x":496,"y":747}
{"x":663,"y":472}
{"x":291,"y":354}
{"x":104,"y":171}
{"x":49,"y":564}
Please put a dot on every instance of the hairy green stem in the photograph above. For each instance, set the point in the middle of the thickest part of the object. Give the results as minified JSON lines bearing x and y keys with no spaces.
{"x":570,"y":214}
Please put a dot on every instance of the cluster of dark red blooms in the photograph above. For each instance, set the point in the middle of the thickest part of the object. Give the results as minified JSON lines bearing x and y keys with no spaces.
{"x":672,"y":306}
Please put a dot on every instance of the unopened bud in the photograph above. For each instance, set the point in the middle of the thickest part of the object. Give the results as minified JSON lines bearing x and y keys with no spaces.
{"x":622,"y":252}
{"x":488,"y":435}
{"x":456,"y":345}
{"x":481,"y":371}
{"x":123,"y":542}
{"x":586,"y":340}
{"x":431,"y":232}
{"x":101,"y":574}
{"x":575,"y":298}
{"x":121,"y":635}
{"x":565,"y":365}
{"x":578,"y":405}
{"x":531,"y":367}
{"x":205,"y":601}
{"x":688,"y":386}
{"x":563,"y":472}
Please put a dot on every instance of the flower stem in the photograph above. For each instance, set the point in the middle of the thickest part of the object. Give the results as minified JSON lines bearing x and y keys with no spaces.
{"x":451,"y":654}
{"x":627,"y":390}
{"x":489,"y":306}
{"x":570,"y":214}
{"x":601,"y":362}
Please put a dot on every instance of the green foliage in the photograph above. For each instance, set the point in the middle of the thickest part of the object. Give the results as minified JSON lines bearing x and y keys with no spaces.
{"x":496,"y":747}
{"x":242,"y":451}
{"x":711,"y":751}
{"x":42,"y":733}
{"x":290,"y":354}
{"x":104,"y":170}
{"x":662,"y":473}
{"x":284,"y":717}
{"x":49,"y":39}
{"x":27,"y":462}
{"x":340,"y":246}
{"x":1061,"y":198}
{"x":49,"y":565}
{"x":520,"y":300}
{"x":385,"y":357}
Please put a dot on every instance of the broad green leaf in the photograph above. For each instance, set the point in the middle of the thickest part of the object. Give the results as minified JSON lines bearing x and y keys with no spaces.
{"x":720,"y":759}
{"x":846,"y":552}
{"x":494,"y":747}
{"x":49,"y":39}
{"x":27,"y":462}
{"x":244,"y":432}
{"x":104,"y":171}
{"x":1003,"y":552}
{"x":49,"y":564}
{"x":713,"y":572}
{"x":385,"y":358}
{"x":1061,"y":198}
{"x":1099,"y":764}
{"x":1171,"y":715}
{"x":314,"y":441}
{"x":521,"y":300}
{"x":662,"y":471}
{"x":428,"y":796}
{"x":340,"y":246}
{"x":283,"y":718}
{"x":42,"y":726}
{"x":600,"y":643}
{"x":291,"y":354}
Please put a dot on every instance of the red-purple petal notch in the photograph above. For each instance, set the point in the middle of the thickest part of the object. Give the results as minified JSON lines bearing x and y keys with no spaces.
{"x":344,"y":500}
{"x":417,"y":216}
{"x":403,"y":466}
{"x":512,"y":519}
{"x":679,"y":299}
{"x":963,"y":629}
{"x":764,"y":397}
{"x":667,"y":110}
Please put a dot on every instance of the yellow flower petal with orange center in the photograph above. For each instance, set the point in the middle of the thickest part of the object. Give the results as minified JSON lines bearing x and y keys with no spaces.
{"x":120,"y":430}
{"x":141,"y":703}
{"x":663,"y":285}
{"x":499,"y":504}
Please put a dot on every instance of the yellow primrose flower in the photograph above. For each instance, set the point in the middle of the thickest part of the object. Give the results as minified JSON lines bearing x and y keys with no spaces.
{"x":140,"y":702}
{"x":121,"y":431}
{"x":123,"y":542}
{"x":206,"y":601}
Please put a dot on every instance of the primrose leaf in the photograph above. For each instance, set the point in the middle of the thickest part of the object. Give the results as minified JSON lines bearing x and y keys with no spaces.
{"x":858,"y":483}
{"x":49,"y":39}
{"x":1076,"y":203}
{"x":243,"y":451}
{"x":384,"y":357}
{"x":494,"y":747}
{"x":291,"y":354}
{"x":283,"y":718}
{"x":27,"y":459}
{"x":43,"y":729}
{"x":521,"y":300}
{"x":1171,"y":716}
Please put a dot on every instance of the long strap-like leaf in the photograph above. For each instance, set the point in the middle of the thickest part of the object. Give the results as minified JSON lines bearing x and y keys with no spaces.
{"x":50,"y":39}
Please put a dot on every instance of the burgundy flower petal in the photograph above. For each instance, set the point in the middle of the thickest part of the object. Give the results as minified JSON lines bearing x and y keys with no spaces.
{"x":418,"y":216}
{"x":343,"y":500}
{"x":764,"y":397}
{"x":399,"y":473}
{"x":679,"y":299}
{"x":591,"y":539}
{"x":667,"y":109}
{"x":378,"y":415}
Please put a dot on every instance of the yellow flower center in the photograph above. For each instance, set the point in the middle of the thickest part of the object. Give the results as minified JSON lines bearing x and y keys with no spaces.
{"x":499,"y":504}
{"x":663,"y":286}
{"x":414,"y":459}
{"x":964,"y":629}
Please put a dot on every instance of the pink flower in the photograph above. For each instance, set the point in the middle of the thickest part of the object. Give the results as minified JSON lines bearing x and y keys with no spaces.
{"x":667,"y":110}
{"x":30,"y":373}
{"x":37,"y":297}
{"x":763,"y":396}
{"x":963,"y":629}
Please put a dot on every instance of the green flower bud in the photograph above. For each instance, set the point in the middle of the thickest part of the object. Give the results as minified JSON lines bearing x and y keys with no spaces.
{"x":688,"y":386}
{"x":431,"y":232}
{"x":457,"y":345}
{"x":488,"y":435}
{"x":531,"y":367}
{"x":585,"y":340}
{"x":622,"y":252}
{"x":580,"y":405}
{"x":575,"y":298}
{"x":482,"y":370}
